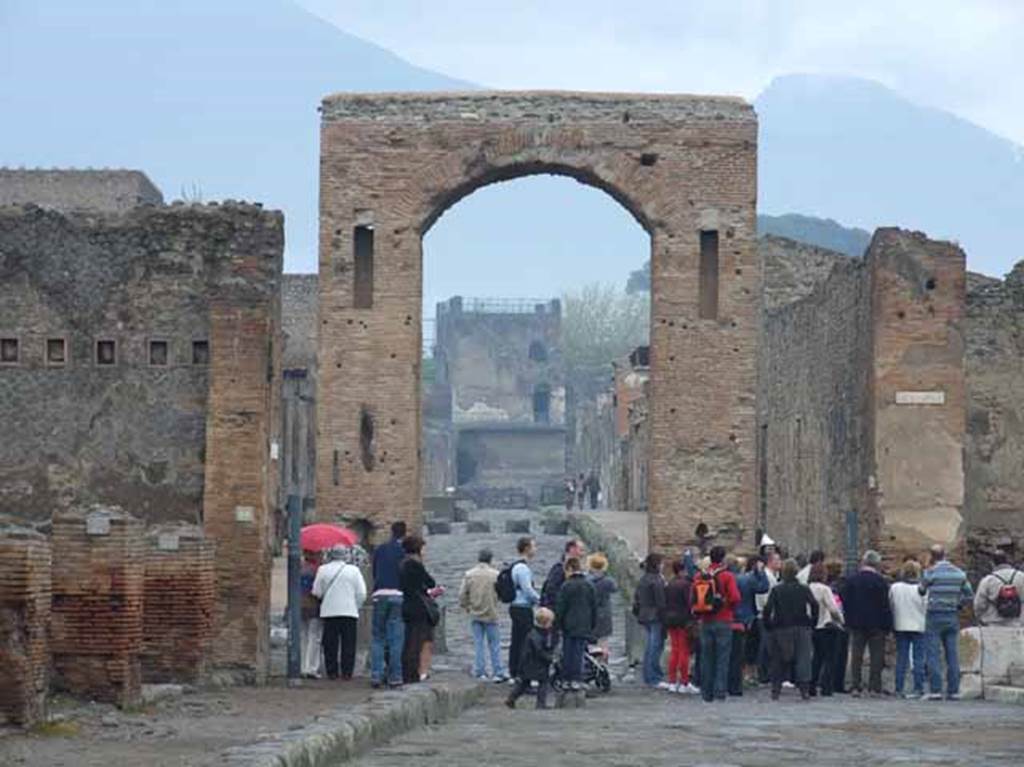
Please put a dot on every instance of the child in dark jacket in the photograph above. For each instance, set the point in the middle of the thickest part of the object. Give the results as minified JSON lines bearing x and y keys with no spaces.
{"x":538,"y":655}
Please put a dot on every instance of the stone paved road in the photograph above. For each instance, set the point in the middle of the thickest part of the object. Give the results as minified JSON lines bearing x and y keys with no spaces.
{"x":636,"y":727}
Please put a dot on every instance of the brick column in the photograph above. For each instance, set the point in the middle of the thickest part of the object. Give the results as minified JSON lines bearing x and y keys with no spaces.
{"x":96,"y":629}
{"x":25,"y":594}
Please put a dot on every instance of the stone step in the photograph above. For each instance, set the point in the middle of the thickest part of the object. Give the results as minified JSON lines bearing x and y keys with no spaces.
{"x":1004,"y":694}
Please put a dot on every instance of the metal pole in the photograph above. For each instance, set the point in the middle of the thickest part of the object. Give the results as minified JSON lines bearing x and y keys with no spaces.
{"x":294,"y":507}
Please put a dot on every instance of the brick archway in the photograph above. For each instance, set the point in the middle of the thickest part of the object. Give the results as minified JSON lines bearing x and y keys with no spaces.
{"x":684,"y":166}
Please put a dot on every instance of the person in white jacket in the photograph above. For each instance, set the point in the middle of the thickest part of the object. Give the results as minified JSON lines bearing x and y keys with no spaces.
{"x":908,"y":620}
{"x":341,"y":590}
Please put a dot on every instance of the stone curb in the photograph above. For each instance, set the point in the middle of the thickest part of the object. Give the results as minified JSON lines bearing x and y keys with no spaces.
{"x":343,"y":735}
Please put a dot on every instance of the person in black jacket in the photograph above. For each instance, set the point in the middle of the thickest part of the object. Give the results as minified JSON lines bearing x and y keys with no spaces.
{"x":556,"y":575}
{"x":576,"y":619}
{"x":649,"y":611}
{"x":869,"y":618}
{"x":535,"y":663}
{"x":418,"y":592}
{"x":790,"y":616}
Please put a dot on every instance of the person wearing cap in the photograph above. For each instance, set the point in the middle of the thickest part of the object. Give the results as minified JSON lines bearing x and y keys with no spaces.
{"x":479,"y":599}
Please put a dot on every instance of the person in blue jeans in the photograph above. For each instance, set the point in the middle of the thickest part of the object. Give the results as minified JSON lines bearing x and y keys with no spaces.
{"x":947,"y":590}
{"x":716,"y":628}
{"x":909,"y":621}
{"x":388,"y":628}
{"x":479,"y":599}
{"x":649,"y":611}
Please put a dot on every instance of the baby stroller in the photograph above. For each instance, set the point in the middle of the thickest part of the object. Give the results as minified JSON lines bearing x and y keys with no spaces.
{"x":595,"y":671}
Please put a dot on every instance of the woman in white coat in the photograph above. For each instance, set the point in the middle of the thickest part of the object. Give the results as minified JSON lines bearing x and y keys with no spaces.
{"x":341,"y":590}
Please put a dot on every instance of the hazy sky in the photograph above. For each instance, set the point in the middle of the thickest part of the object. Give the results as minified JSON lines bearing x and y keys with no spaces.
{"x":966,"y":56}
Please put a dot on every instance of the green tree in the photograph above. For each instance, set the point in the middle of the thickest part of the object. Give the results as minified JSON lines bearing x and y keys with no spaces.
{"x":600,"y":324}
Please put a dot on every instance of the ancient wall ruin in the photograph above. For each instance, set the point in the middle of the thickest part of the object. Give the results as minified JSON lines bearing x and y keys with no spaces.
{"x":994,"y":452}
{"x":299,"y":293}
{"x":66,"y":190}
{"x":684,"y":167}
{"x":139,"y":367}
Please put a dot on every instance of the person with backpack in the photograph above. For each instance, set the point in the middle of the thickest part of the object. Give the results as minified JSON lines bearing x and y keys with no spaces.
{"x":789,"y":617}
{"x":678,"y":619}
{"x":714,"y":597}
{"x":514,"y":585}
{"x":649,"y":611}
{"x":575,"y":618}
{"x":908,"y":623}
{"x":947,"y":590}
{"x":341,"y":590}
{"x":478,"y":596}
{"x":998,"y":601}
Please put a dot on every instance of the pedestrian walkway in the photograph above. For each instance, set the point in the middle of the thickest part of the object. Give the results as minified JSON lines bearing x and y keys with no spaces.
{"x":634,"y":726}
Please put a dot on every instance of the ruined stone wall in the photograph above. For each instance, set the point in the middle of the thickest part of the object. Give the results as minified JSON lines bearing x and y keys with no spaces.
{"x":492,"y":361}
{"x":994,"y":453}
{"x":917,"y":386}
{"x":598,"y":446}
{"x":682,"y":165}
{"x":813,"y":405}
{"x":132,"y":432}
{"x":513,"y":461}
{"x":67,"y":190}
{"x":25,"y":598}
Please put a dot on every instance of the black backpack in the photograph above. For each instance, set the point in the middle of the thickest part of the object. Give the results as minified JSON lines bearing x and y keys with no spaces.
{"x":1008,"y":599}
{"x":504,"y":585}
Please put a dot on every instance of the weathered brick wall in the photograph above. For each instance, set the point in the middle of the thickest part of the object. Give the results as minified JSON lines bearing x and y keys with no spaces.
{"x":178,"y":604}
{"x":813,"y":405}
{"x":98,"y":583}
{"x":918,"y":390}
{"x":25,"y":596}
{"x":299,"y":296}
{"x":994,"y":454}
{"x":66,"y":190}
{"x":132,"y":433}
{"x":678,"y":164}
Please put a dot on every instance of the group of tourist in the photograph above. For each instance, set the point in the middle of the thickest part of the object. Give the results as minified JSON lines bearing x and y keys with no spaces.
{"x":579,"y":489}
{"x":801,"y":624}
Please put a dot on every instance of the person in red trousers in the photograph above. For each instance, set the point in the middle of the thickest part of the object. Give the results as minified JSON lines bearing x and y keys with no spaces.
{"x":678,"y":620}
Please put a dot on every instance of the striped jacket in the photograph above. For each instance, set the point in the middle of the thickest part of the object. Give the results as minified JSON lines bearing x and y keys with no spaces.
{"x":946,"y":586}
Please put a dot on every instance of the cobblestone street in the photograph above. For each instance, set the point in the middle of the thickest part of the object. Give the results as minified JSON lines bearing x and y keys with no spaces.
{"x":632,"y":726}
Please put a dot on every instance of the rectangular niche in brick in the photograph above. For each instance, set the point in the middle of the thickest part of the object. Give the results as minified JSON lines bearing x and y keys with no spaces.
{"x":56,"y":351}
{"x":96,"y":626}
{"x":25,"y":597}
{"x":708,"y":284}
{"x":159,"y":353}
{"x":106,"y":352}
{"x":9,"y":351}
{"x":200,"y":352}
{"x":180,"y":596}
{"x":362,"y":287}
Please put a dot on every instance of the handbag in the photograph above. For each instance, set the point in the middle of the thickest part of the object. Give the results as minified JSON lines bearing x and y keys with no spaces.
{"x":431,"y":610}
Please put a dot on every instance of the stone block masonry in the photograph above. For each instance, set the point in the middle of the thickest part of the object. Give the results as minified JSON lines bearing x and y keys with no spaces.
{"x":98,"y":586}
{"x":685,"y":168}
{"x":25,"y":595}
{"x":113,"y":191}
{"x":178,"y":605}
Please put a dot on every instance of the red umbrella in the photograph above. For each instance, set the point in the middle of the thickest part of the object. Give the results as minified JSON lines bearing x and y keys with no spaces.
{"x":322,"y":536}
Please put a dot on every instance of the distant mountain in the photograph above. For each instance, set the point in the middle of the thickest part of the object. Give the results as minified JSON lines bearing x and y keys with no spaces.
{"x":823,"y":232}
{"x":221,"y":94}
{"x":858,"y":152}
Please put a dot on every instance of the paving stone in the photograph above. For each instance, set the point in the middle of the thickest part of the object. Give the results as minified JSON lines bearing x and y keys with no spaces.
{"x":478,"y":526}
{"x":517,"y":526}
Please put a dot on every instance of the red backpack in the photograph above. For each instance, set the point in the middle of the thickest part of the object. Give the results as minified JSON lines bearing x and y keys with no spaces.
{"x":1008,"y":599}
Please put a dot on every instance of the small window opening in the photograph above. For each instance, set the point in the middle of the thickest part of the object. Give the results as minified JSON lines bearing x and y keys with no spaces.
{"x":56,"y":351}
{"x":708,"y":285}
{"x":362,"y":287}
{"x":158,"y":353}
{"x":538,"y":352}
{"x":366,"y":434}
{"x":929,"y":284}
{"x":9,"y":351}
{"x":335,"y":470}
{"x":542,"y":404}
{"x":648,"y":159}
{"x":106,"y":352}
{"x":200,"y":352}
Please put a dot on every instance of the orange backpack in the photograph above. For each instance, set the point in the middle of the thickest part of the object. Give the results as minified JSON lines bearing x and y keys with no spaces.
{"x":706,"y":599}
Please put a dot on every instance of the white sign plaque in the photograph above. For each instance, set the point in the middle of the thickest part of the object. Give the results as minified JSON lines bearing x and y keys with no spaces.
{"x":920,"y":398}
{"x":97,"y":524}
{"x":167,"y":542}
{"x":245,"y":514}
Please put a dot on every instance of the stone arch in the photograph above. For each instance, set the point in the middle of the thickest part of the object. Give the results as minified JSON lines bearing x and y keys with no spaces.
{"x":682,"y":166}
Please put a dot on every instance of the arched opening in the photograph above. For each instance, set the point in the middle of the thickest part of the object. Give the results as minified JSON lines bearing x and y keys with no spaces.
{"x":525,"y":309}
